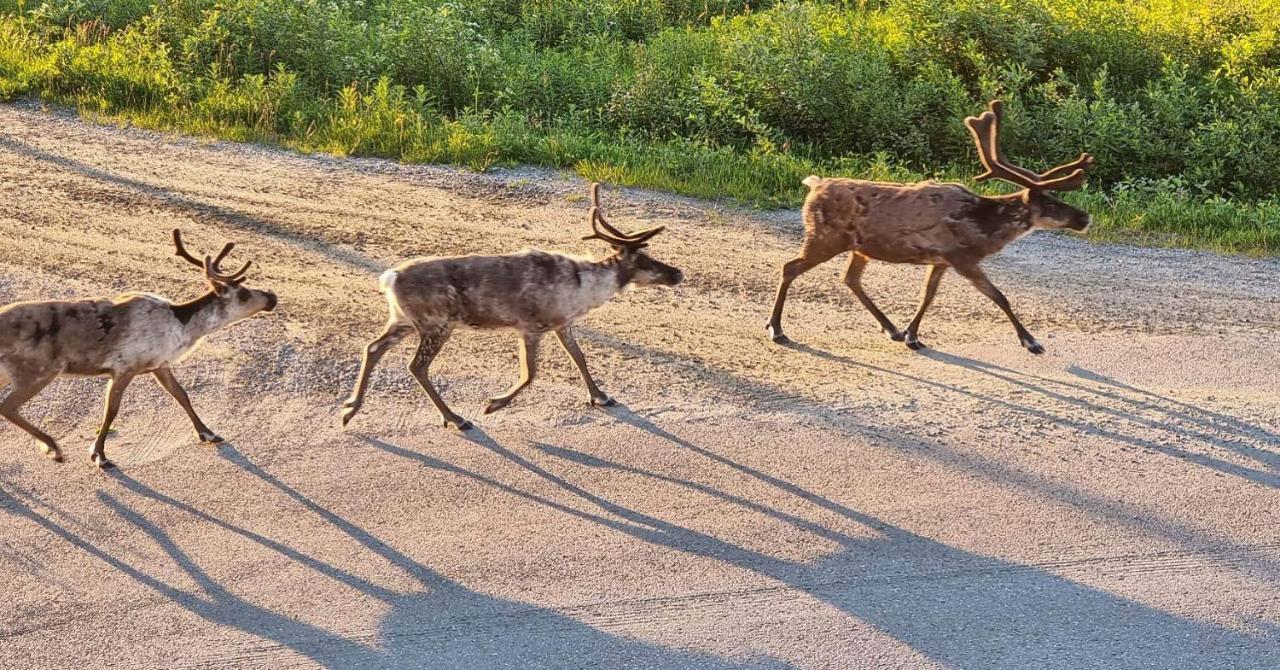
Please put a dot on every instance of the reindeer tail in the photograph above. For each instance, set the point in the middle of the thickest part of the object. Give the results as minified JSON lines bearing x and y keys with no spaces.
{"x":388,"y":280}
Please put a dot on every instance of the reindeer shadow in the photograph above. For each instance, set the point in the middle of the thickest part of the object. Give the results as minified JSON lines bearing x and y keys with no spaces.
{"x":766,"y":397}
{"x":1200,"y":416}
{"x":1186,"y":424}
{"x":1189,"y":426}
{"x":956,"y":607}
{"x":440,"y":619}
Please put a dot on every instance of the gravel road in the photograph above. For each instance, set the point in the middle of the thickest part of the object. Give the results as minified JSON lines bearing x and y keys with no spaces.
{"x":839,"y":503}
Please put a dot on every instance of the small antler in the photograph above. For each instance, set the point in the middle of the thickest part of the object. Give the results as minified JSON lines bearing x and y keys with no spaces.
{"x":985,"y":129}
{"x":211,"y":265}
{"x":612,"y":235}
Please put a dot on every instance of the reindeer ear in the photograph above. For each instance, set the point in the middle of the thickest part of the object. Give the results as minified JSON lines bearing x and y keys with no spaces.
{"x":220,"y":289}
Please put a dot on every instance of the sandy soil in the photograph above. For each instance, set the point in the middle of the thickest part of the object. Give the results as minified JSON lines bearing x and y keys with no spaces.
{"x":841,"y":503}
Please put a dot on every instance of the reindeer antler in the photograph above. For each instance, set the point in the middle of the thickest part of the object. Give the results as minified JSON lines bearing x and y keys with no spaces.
{"x":612,"y":235}
{"x":985,"y":129}
{"x":211,"y":265}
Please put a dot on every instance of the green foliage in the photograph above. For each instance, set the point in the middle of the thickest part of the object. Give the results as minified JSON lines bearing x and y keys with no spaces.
{"x":1178,"y":99}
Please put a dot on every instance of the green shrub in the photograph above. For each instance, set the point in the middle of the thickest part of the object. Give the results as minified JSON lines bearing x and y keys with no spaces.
{"x":257,"y":106}
{"x":109,"y":72}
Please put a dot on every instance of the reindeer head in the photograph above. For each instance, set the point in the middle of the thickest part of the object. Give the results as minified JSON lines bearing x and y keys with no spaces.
{"x":643,"y":269}
{"x":235,"y":300}
{"x":1046,"y":210}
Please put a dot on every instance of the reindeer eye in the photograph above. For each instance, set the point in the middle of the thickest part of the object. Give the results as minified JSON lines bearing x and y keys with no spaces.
{"x":242,"y":294}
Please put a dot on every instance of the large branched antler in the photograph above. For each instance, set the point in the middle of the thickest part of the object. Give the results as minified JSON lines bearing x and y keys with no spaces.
{"x":612,"y":235}
{"x":212,"y":266}
{"x":985,"y":129}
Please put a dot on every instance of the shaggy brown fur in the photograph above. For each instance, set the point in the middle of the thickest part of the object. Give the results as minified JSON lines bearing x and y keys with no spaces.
{"x":939,"y":225}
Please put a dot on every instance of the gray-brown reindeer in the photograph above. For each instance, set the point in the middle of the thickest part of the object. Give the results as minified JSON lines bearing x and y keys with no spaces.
{"x":531,"y":292}
{"x":133,"y":334}
{"x":939,"y":225}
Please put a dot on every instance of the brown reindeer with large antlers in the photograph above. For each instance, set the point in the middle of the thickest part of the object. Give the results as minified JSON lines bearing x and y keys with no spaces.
{"x":939,"y":225}
{"x":133,"y":334}
{"x":532,"y":292}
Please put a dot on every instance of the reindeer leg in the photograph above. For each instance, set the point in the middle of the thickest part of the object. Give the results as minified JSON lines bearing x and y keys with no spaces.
{"x":528,"y":368}
{"x":164,"y":375}
{"x":428,"y":346}
{"x":598,"y":398}
{"x":115,"y":389}
{"x":23,"y":390}
{"x":811,"y":256}
{"x":926,"y":298}
{"x":853,"y":279}
{"x":391,"y":334}
{"x":978,"y":278}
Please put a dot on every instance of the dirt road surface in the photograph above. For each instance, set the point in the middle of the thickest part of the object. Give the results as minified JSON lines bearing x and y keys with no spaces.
{"x":840,"y":503}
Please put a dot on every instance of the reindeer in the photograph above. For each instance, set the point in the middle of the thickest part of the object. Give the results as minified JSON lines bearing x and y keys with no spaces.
{"x":939,"y":225}
{"x":531,"y":292}
{"x":133,"y":334}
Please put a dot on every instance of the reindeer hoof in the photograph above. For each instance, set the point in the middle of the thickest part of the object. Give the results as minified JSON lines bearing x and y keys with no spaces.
{"x":209,"y":437}
{"x":459,"y":423}
{"x":101,"y":461}
{"x":496,"y":404}
{"x":1034,"y":347}
{"x":603,"y":401}
{"x":913,"y":342}
{"x":52,"y":452}
{"x":896,"y":335}
{"x":348,"y":412}
{"x":777,"y":335}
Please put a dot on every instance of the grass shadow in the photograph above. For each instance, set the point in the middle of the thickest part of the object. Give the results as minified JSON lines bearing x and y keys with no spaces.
{"x":198,"y":209}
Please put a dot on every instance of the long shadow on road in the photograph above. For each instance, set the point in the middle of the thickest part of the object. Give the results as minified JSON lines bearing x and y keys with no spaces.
{"x":1189,"y":423}
{"x":902,"y":438}
{"x":195,"y":207}
{"x":1086,"y":426}
{"x":957,"y":607}
{"x":443,"y":621}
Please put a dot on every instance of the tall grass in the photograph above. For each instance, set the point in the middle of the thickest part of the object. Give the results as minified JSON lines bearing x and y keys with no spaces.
{"x":1178,"y":99}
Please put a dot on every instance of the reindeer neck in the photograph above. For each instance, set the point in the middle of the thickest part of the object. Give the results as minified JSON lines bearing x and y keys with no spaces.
{"x":615,"y":267}
{"x":202,"y":315}
{"x":594,"y":283}
{"x":1005,"y":219}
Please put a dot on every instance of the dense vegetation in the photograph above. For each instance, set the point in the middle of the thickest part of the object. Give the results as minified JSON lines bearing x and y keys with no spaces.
{"x":1178,"y":99}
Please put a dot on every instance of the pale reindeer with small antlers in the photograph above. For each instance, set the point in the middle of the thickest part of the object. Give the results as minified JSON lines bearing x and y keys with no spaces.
{"x":939,"y":225}
{"x":531,"y":292}
{"x":133,"y":334}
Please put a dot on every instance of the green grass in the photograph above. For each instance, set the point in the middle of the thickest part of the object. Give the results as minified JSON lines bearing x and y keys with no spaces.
{"x":1179,"y":101}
